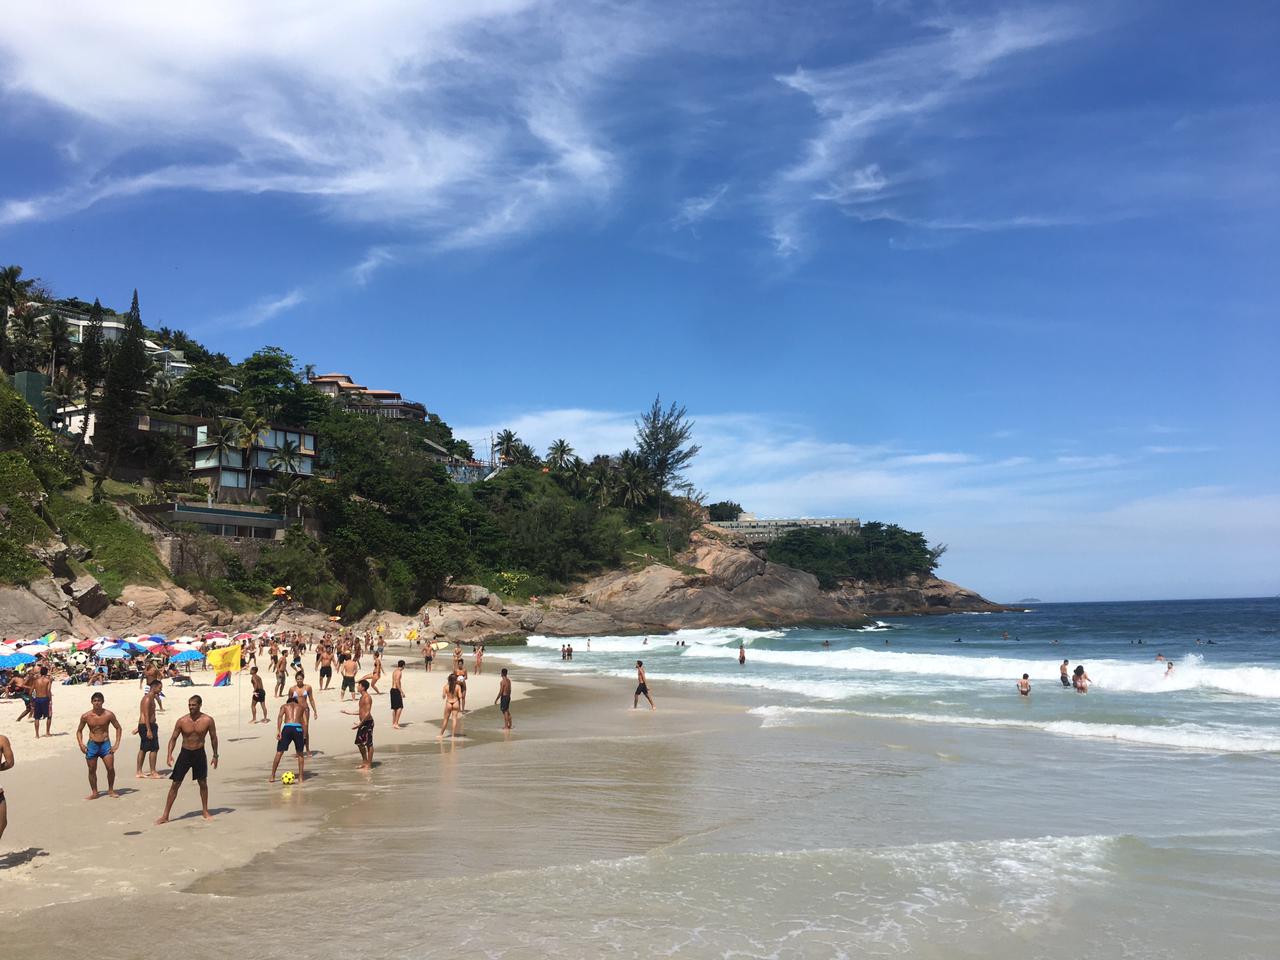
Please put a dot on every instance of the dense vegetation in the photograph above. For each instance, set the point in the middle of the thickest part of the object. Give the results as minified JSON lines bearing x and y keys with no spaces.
{"x":881,"y":552}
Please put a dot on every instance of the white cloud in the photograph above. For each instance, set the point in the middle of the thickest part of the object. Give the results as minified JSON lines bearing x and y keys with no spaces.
{"x":899,"y":90}
{"x":469,"y":121}
{"x":374,"y":259}
{"x":265,"y":309}
{"x":693,"y":210}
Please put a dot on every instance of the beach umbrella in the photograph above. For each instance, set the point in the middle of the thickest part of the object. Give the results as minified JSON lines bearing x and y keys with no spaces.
{"x":112,"y":653}
{"x":185,"y":640}
{"x":131,"y":639}
{"x":215,"y":635}
{"x":244,"y":636}
{"x":186,"y":655}
{"x":60,"y":645}
{"x":85,"y":644}
{"x":149,"y":643}
{"x":10,"y":660}
{"x":159,"y":637}
{"x":46,"y":639}
{"x":130,"y":646}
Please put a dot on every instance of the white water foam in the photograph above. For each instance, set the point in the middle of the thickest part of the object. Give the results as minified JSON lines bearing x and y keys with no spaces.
{"x":710,"y":637}
{"x":1223,"y":739}
{"x":1190,"y":673}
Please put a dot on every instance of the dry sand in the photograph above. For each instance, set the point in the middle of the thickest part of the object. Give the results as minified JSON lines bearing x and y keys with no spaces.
{"x":59,"y":847}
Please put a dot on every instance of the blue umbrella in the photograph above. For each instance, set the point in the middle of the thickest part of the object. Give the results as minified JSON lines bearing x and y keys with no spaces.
{"x":185,"y":655}
{"x":131,"y":646}
{"x":112,"y":653}
{"x":10,"y":660}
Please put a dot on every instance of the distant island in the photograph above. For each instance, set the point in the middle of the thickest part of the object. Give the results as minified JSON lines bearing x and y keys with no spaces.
{"x":1029,"y":600}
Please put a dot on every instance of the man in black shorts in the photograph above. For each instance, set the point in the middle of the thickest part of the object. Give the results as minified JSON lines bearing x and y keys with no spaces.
{"x":348,"y":670}
{"x":504,"y":699}
{"x":642,"y":688}
{"x":364,"y":726}
{"x":193,"y":728}
{"x":397,"y":694}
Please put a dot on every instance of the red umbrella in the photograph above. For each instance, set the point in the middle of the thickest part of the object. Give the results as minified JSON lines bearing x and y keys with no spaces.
{"x":85,"y":644}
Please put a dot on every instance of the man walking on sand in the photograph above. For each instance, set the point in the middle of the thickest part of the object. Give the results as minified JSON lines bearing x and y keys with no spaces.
{"x":291,"y":728}
{"x":6,"y":763}
{"x":642,"y":688}
{"x":397,"y":695}
{"x":259,"y":698}
{"x":324,"y":659}
{"x":149,"y":731}
{"x":42,"y":701}
{"x":503,"y":699}
{"x":99,"y":721}
{"x":193,"y":728}
{"x":364,"y":727}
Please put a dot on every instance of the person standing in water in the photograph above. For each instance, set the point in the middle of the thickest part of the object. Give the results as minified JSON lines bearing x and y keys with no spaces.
{"x":99,"y":721}
{"x":1024,"y":685}
{"x":642,"y":687}
{"x":503,"y":699}
{"x":1064,"y":673}
{"x":364,"y":727}
{"x":397,"y":695}
{"x":1081,"y":679}
{"x":194,"y":728}
{"x":742,"y":654}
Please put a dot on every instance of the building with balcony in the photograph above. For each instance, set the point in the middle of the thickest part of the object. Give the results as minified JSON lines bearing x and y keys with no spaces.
{"x":387,"y":404}
{"x":229,"y":473}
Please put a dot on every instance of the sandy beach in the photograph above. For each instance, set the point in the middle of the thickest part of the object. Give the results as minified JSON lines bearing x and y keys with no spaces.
{"x":59,"y":847}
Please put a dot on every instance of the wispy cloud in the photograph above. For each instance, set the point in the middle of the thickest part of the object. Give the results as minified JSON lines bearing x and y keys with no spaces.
{"x":374,"y":259}
{"x":265,"y":309}
{"x":693,"y":210}
{"x":468,"y":122}
{"x":1158,"y":449}
{"x":900,"y":91}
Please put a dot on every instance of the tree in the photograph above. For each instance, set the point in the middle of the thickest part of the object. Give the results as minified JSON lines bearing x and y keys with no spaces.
{"x":662,"y":443}
{"x":57,"y":343}
{"x":93,"y":362}
{"x":559,"y":454}
{"x":635,"y":484}
{"x":202,"y":392}
{"x":220,"y":440}
{"x":15,"y":291}
{"x":724,"y":510}
{"x":60,"y":393}
{"x":506,"y":445}
{"x":287,"y":458}
{"x":123,"y":389}
{"x":250,"y":432}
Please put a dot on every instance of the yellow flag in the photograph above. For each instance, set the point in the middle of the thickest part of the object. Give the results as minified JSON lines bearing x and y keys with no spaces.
{"x":224,"y":659}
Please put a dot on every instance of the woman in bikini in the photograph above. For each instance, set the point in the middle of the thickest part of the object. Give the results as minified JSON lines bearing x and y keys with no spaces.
{"x":452,"y":706}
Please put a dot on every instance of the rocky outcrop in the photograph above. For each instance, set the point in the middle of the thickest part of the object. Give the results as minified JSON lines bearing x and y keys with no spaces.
{"x":917,"y":595}
{"x":87,"y":595}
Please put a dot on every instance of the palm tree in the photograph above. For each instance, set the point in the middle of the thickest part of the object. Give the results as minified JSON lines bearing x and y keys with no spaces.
{"x":222,"y":438}
{"x":599,"y":480}
{"x":14,"y":292}
{"x":635,"y":485}
{"x":506,"y":445}
{"x":251,"y":429}
{"x":61,"y":392}
{"x":57,"y":342}
{"x":559,"y":454}
{"x":161,"y":398}
{"x":308,"y":372}
{"x":287,"y":459}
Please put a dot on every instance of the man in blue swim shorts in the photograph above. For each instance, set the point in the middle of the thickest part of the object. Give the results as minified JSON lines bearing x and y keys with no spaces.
{"x":99,"y":721}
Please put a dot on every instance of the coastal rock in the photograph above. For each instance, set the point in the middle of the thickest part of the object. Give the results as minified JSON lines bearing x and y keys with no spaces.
{"x":915,"y":595}
{"x":50,"y":593}
{"x":464,"y":593}
{"x":23,"y":615}
{"x":87,"y":595}
{"x":493,"y":602}
{"x":183,"y":600}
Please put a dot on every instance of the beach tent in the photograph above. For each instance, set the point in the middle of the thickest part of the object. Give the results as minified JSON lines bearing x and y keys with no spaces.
{"x":10,"y":660}
{"x":184,"y":656}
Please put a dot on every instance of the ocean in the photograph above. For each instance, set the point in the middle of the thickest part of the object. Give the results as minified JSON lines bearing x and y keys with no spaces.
{"x":859,"y":800}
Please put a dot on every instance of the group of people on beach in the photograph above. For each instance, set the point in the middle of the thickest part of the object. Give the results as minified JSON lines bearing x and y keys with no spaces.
{"x":100,"y":734}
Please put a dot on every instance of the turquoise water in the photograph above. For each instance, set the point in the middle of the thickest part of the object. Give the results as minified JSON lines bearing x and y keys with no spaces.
{"x":1223,"y":694}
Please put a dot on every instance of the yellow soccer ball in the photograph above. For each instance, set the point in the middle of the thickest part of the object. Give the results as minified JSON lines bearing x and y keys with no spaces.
{"x":288,"y":777}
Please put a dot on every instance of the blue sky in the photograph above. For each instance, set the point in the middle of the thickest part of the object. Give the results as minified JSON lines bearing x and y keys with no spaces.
{"x":1001,"y":272}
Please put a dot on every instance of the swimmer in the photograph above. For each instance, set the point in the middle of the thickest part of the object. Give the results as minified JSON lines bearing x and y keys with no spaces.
{"x":1024,"y":685}
{"x":1063,"y":673}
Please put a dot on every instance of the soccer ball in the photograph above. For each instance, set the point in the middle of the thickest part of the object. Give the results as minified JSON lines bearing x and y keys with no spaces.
{"x":288,"y":777}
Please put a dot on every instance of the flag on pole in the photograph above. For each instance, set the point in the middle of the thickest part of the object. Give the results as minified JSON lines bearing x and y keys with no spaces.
{"x":223,"y":679}
{"x":224,"y":659}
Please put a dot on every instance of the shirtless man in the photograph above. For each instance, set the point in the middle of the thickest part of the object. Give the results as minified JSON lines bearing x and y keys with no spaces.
{"x":6,"y":763}
{"x":291,"y":728}
{"x":259,"y":698}
{"x":193,"y":728}
{"x":149,"y":731}
{"x":642,"y":688}
{"x":364,"y":726}
{"x":282,"y":673}
{"x":324,"y":658}
{"x":348,"y":671}
{"x":42,"y":701}
{"x":376,"y":675}
{"x":99,"y":721}
{"x":503,"y":699}
{"x":1064,"y":674}
{"x":307,"y":697}
{"x":397,"y":695}
{"x":1024,"y":685}
{"x":742,"y":654}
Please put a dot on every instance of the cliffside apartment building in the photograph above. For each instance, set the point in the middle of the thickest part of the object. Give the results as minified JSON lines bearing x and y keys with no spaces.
{"x":388,"y":404}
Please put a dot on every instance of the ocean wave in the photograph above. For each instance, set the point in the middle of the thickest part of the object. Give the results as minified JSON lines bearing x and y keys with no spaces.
{"x":1189,"y":736}
{"x":1190,"y":673}
{"x":705,"y":636}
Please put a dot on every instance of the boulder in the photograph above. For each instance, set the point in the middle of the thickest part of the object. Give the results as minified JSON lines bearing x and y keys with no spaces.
{"x":464,"y":593}
{"x":493,"y":602}
{"x":23,"y":615}
{"x":183,"y":600}
{"x":50,"y":593}
{"x":87,"y":595}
